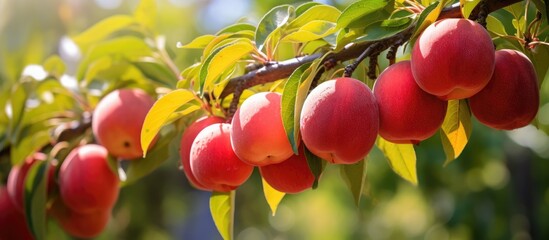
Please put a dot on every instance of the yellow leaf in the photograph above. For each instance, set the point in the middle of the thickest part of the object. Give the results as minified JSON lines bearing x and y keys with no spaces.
{"x":467,"y":7}
{"x":430,"y":18}
{"x":401,"y":158}
{"x":226,"y":57}
{"x":456,"y":129}
{"x":160,"y":113}
{"x":222,"y":210}
{"x":272,"y":196}
{"x":145,"y":13}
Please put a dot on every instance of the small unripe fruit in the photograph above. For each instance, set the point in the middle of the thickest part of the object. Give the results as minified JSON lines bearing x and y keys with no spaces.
{"x":407,"y":114}
{"x":340,"y":121}
{"x":16,"y":179}
{"x":81,"y":225}
{"x":290,"y":176}
{"x":511,"y":98}
{"x":12,"y":221}
{"x":86,"y":181}
{"x":257,"y":133}
{"x":186,"y":142}
{"x":118,"y":119}
{"x":213,"y":161}
{"x":453,"y":58}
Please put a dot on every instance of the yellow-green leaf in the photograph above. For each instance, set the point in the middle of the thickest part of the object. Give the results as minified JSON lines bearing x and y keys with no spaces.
{"x":102,"y":30}
{"x":401,"y":158}
{"x":222,"y":210}
{"x":198,"y":43}
{"x":311,"y":31}
{"x":354,"y":176}
{"x":273,"y":196}
{"x":428,"y":16}
{"x":456,"y":129}
{"x":160,"y":113}
{"x":145,"y":13}
{"x":467,"y":7}
{"x":318,"y":12}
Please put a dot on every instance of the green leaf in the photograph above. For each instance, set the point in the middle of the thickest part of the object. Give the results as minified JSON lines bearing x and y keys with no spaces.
{"x":235,"y":28}
{"x":17,"y":101}
{"x":273,"y":196}
{"x":27,"y":145}
{"x":198,"y":43}
{"x":456,"y":129}
{"x":313,"y":30}
{"x":35,"y":198}
{"x":55,"y":66}
{"x":275,"y":18}
{"x":495,"y":26}
{"x":102,"y":30}
{"x":304,"y":7}
{"x":428,"y":16}
{"x":156,"y":71}
{"x":222,"y":59}
{"x":354,"y":176}
{"x":364,"y":12}
{"x":129,"y":47}
{"x":401,"y":158}
{"x":290,"y":121}
{"x":384,"y":29}
{"x":467,"y":7}
{"x":145,"y":14}
{"x":319,"y":12}
{"x":139,"y":168}
{"x":160,"y":112}
{"x":222,"y":210}
{"x":316,"y":164}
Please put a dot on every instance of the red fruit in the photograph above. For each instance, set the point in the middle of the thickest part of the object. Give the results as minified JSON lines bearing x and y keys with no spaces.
{"x":257,"y":134}
{"x":213,"y":161}
{"x":16,"y":179}
{"x":86,"y":181}
{"x":186,"y":142}
{"x":453,"y":58}
{"x":407,"y":114}
{"x":290,"y":176}
{"x":80,"y":225}
{"x":117,"y":122}
{"x":340,"y":120}
{"x":511,"y":98}
{"x":12,"y":222}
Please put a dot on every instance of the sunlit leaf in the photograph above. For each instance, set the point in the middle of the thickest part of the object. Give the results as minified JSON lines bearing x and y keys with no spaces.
{"x":427,"y":17}
{"x":145,"y":13}
{"x":401,"y":158}
{"x":35,"y":198}
{"x":221,"y":59}
{"x":235,"y":28}
{"x":55,"y":66}
{"x":160,"y":112}
{"x":275,"y":18}
{"x":354,"y":176}
{"x":467,"y":7}
{"x":384,"y":29}
{"x":304,"y":7}
{"x":495,"y":26}
{"x":456,"y":129}
{"x":198,"y":43}
{"x":364,"y":12}
{"x":311,"y":31}
{"x":222,"y":210}
{"x":102,"y":30}
{"x":319,"y":12}
{"x":288,"y":102}
{"x":273,"y":196}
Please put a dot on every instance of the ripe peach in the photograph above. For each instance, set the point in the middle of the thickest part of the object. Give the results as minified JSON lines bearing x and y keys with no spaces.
{"x":453,"y":59}
{"x":340,"y":120}
{"x":117,"y":122}
{"x":16,"y":179}
{"x":257,"y":134}
{"x":186,"y":142}
{"x":213,"y":161}
{"x":407,"y":114}
{"x":511,"y":98}
{"x":80,"y":225}
{"x":86,"y":181}
{"x":290,"y":176}
{"x":12,"y":221}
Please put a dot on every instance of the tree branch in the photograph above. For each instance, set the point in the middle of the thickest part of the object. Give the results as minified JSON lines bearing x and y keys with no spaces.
{"x":284,"y":69}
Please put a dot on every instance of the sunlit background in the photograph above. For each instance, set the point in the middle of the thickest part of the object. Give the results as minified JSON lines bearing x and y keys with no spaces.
{"x":497,"y":189}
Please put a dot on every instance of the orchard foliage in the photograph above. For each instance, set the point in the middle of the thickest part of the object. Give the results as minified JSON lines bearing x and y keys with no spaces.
{"x":291,"y":50}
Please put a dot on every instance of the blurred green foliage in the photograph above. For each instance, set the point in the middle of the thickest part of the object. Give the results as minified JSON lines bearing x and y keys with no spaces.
{"x":497,"y":189}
